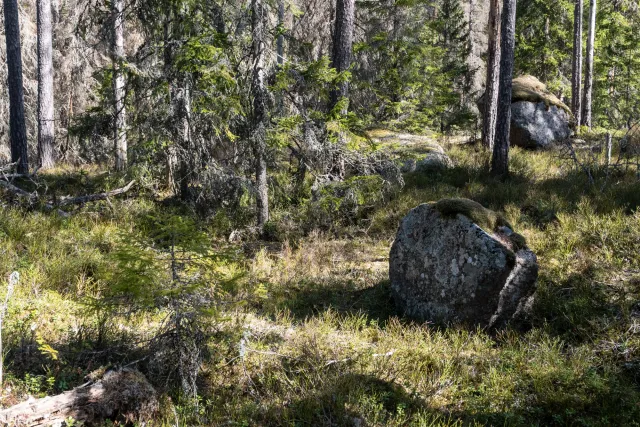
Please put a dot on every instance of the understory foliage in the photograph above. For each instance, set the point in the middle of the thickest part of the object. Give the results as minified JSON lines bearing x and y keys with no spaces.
{"x":303,"y":330}
{"x":292,"y":322}
{"x":411,"y":67}
{"x":172,"y":269}
{"x":188,"y":74}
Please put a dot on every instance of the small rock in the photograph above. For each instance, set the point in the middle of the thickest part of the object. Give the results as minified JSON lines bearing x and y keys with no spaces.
{"x":428,"y":162}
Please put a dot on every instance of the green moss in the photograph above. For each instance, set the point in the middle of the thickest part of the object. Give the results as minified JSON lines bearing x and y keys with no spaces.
{"x":518,"y":240}
{"x":483,"y":217}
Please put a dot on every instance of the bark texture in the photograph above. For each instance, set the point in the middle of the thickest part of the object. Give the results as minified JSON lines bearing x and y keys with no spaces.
{"x":120,"y":131}
{"x":18,"y":130}
{"x":500,"y":157}
{"x":259,"y":117}
{"x":46,"y":127}
{"x":588,"y":76}
{"x":493,"y":74}
{"x":124,"y":395}
{"x":576,"y":69}
{"x":180,"y":112}
{"x":342,"y":45}
{"x":280,"y":40}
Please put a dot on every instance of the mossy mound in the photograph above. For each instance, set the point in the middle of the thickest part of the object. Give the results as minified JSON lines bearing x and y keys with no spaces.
{"x":487,"y":219}
{"x":529,"y":88}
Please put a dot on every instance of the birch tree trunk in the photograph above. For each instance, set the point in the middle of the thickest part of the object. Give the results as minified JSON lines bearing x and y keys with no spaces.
{"x":17,"y":126}
{"x":120,"y":131}
{"x":342,"y":46}
{"x":576,"y":69}
{"x":46,"y":130}
{"x":588,"y":76}
{"x":500,"y":158}
{"x":259,"y":117}
{"x":493,"y":74}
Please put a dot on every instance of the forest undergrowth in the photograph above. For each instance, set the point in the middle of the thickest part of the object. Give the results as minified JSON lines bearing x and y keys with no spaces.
{"x":301,"y":326}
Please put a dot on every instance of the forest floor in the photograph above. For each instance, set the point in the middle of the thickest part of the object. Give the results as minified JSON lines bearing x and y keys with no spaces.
{"x":316,"y":340}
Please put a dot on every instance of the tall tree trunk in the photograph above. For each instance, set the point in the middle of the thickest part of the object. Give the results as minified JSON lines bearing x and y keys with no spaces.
{"x":172,"y":149}
{"x":120,"y":131}
{"x":259,"y":118}
{"x":18,"y":129}
{"x":342,"y":46}
{"x":280,"y":40}
{"x":545,"y":66}
{"x":45,"y":86}
{"x":182,"y":121}
{"x":280,"y":52}
{"x":588,"y":76}
{"x":500,"y":158}
{"x":576,"y":77}
{"x":493,"y":74}
{"x":178,"y":165}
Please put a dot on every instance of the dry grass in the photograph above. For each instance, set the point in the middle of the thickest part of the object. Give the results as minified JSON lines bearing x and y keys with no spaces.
{"x":320,"y":342}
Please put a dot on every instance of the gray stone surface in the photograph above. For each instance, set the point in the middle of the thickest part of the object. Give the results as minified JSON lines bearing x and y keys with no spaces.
{"x":534,"y":125}
{"x":448,"y":270}
{"x":428,"y":162}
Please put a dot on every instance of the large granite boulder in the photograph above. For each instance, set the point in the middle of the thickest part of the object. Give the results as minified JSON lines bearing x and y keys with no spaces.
{"x":536,"y":125}
{"x":538,"y":118}
{"x":456,"y":262}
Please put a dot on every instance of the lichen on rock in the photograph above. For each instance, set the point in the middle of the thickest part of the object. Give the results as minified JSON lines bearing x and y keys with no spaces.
{"x":454,"y":261}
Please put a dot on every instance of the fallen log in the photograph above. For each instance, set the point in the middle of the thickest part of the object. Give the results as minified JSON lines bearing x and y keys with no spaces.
{"x":95,"y":197}
{"x":121,"y":395}
{"x":18,"y":191}
{"x":7,"y":167}
{"x":32,"y":198}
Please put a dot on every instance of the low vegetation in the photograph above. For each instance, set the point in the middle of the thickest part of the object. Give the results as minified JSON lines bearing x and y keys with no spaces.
{"x":303,"y":330}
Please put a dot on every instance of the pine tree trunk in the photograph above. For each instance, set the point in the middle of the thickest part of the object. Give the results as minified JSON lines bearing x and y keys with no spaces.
{"x":588,"y":77}
{"x":280,"y":40}
{"x":576,"y":77}
{"x":500,"y":158}
{"x":342,"y":46}
{"x":178,"y":165}
{"x":45,"y":86}
{"x":182,"y":96}
{"x":259,"y":118}
{"x":545,"y":66}
{"x":120,"y":131}
{"x":280,"y":52}
{"x":18,"y":130}
{"x":493,"y":74}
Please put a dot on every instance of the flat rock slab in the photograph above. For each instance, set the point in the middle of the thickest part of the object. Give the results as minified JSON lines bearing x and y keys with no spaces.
{"x":446,"y":269}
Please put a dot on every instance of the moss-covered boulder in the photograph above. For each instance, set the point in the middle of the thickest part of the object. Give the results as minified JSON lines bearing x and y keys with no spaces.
{"x":455,"y":261}
{"x":539,"y":120}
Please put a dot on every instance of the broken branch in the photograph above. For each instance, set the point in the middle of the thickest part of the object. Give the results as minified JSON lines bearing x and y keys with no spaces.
{"x":95,"y":197}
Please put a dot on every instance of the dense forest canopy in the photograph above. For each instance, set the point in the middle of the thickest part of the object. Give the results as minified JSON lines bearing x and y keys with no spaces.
{"x":200,"y":205}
